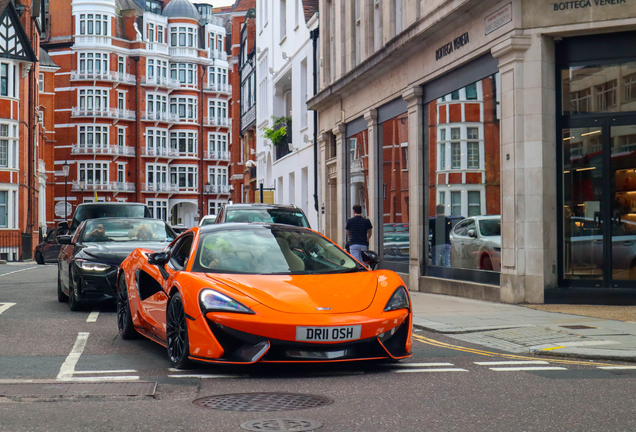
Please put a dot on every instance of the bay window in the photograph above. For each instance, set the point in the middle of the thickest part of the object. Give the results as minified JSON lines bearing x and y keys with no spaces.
{"x":93,"y":136}
{"x":93,"y":173}
{"x":93,"y":99}
{"x":93,"y":24}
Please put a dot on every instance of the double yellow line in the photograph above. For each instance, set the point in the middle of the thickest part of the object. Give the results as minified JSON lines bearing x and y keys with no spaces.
{"x":510,"y":356}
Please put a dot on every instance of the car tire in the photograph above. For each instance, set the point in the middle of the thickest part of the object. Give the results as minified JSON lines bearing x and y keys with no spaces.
{"x":177,"y":333}
{"x":61,"y":297}
{"x":486,"y":263}
{"x":73,"y":303}
{"x":124,"y":317}
{"x":39,"y":258}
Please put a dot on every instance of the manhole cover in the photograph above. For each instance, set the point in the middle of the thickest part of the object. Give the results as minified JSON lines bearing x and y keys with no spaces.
{"x":279,"y":424}
{"x":262,"y":402}
{"x":578,"y":327}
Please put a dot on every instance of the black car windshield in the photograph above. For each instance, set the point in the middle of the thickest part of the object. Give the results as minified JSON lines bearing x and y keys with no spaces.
{"x":256,"y":249}
{"x":490,"y":227}
{"x":126,"y":230}
{"x":107,"y":210}
{"x":281,"y":216}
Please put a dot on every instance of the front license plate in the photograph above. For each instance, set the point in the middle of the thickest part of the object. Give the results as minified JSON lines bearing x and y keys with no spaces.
{"x":328,"y":334}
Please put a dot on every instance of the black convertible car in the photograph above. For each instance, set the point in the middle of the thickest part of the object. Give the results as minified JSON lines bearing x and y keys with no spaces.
{"x":89,"y":259}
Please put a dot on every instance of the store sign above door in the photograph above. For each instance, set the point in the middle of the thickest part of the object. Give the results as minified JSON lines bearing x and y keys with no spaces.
{"x":455,"y":44}
{"x":580,"y":4}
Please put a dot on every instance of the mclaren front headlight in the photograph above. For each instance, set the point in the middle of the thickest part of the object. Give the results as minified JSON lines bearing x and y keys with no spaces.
{"x":214,"y":301}
{"x":92,"y":266}
{"x":399,"y":300}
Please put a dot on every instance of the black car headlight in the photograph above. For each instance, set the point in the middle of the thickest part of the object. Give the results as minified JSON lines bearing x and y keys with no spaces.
{"x":92,"y":266}
{"x":213,"y":301}
{"x":399,"y":300}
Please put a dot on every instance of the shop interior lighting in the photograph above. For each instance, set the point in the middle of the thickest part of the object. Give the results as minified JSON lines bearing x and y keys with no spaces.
{"x":569,"y":138}
{"x":586,"y":169}
{"x":566,"y":172}
{"x":591,"y":133}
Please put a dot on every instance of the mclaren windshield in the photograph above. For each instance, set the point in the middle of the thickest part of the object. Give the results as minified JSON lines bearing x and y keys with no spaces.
{"x":269,"y":250}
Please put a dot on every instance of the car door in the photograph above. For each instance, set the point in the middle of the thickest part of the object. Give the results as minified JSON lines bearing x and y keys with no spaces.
{"x":158,"y":282}
{"x":461,"y":244}
{"x":50,"y":248}
{"x":66,"y":255}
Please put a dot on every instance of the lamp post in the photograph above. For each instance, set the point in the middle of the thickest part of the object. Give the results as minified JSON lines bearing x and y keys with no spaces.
{"x":66,"y":167}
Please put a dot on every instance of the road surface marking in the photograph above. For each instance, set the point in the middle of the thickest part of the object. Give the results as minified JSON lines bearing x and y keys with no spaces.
{"x":523,"y":369}
{"x":5,"y":306}
{"x":105,"y":371}
{"x":502,"y":363}
{"x":552,"y":348}
{"x":491,"y":354}
{"x":17,"y":271}
{"x":616,"y":367}
{"x":431,"y":370}
{"x":421,"y":364}
{"x":68,"y":367}
{"x":204,"y":376}
{"x":99,"y":379}
{"x":92,"y":317}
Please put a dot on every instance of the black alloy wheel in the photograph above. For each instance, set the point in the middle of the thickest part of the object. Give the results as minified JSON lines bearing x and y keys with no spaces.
{"x":124,"y":317}
{"x":61,"y":297}
{"x":39,"y":258}
{"x":177,"y":333}
{"x":73,"y":303}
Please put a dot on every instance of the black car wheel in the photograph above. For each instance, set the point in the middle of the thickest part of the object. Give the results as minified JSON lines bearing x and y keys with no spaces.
{"x":177,"y":333}
{"x":73,"y":303}
{"x":39,"y":258}
{"x":124,"y":317}
{"x":61,"y":297}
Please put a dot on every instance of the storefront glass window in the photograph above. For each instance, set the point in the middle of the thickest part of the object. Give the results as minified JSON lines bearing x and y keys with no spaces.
{"x":358,"y":146}
{"x":464,"y":178}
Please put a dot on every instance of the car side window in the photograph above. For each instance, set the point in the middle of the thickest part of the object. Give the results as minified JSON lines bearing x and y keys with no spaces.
{"x":180,"y":253}
{"x":470,"y":225}
{"x":461,"y":228}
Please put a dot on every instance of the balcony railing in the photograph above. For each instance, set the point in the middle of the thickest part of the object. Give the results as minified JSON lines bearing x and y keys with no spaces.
{"x":92,"y":40}
{"x":159,"y":152}
{"x":218,"y":54}
{"x":161,"y":187}
{"x":217,"y":155}
{"x":160,"y":81}
{"x":281,"y":150}
{"x":106,"y":186}
{"x":110,"y":76}
{"x":217,"y":121}
{"x":184,"y":52}
{"x":161,"y":48}
{"x":219,"y":88}
{"x":113,"y":113}
{"x":117,"y":150}
{"x":159,"y":116}
{"x":216,"y":189}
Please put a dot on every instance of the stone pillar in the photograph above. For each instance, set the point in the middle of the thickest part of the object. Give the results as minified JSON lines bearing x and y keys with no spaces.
{"x":341,"y":147}
{"x":525,"y":233}
{"x":417,"y":173}
{"x":323,"y":139}
{"x":375,"y":215}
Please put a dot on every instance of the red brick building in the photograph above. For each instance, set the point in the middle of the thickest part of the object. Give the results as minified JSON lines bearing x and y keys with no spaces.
{"x":142,"y":105}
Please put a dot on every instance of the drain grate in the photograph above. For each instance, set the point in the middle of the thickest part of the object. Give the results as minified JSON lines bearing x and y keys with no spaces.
{"x":578,"y":327}
{"x":280,"y":424}
{"x":262,"y":402}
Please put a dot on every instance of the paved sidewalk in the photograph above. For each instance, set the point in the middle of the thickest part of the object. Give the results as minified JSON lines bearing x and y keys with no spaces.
{"x":519,"y":329}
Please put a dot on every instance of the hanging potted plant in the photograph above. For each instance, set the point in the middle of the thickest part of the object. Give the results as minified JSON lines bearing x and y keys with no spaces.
{"x":277,"y":134}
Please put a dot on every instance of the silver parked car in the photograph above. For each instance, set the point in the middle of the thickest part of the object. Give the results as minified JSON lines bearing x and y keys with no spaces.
{"x":476,"y":243}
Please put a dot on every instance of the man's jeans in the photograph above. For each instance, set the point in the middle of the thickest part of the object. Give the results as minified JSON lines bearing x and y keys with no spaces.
{"x":356,"y":249}
{"x":441,"y":255}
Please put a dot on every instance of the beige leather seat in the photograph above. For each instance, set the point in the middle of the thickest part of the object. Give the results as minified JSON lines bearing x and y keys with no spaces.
{"x":293,"y":261}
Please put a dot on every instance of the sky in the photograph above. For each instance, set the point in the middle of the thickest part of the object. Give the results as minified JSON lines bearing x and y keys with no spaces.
{"x":217,"y":3}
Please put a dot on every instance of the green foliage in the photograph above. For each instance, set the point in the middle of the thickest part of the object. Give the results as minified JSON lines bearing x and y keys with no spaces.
{"x":277,"y":134}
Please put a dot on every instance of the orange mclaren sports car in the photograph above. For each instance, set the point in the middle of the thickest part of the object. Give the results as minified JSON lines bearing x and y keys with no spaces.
{"x":257,"y":293}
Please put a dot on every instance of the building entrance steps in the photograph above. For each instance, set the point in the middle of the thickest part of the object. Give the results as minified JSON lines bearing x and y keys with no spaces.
{"x":521,"y":329}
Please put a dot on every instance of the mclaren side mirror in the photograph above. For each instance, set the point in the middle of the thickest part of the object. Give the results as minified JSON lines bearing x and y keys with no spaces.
{"x":370,"y":258}
{"x":65,"y":239}
{"x":159,"y":258}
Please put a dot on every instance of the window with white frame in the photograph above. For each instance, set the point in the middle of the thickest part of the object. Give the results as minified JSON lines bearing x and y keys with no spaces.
{"x":93,"y":136}
{"x":93,"y":62}
{"x":156,"y":141}
{"x":160,"y":38}
{"x":8,"y":80}
{"x":464,"y":140}
{"x":41,"y":83}
{"x":8,"y":146}
{"x":183,"y":37}
{"x":156,"y":176}
{"x":185,"y":143}
{"x":93,"y":99}
{"x":456,"y":203}
{"x":93,"y":173}
{"x":185,"y":177}
{"x":217,"y":76}
{"x":158,"y":209}
{"x":151,"y":32}
{"x":121,"y":100}
{"x":4,"y":209}
{"x":263,"y":90}
{"x":456,"y":154}
{"x":474,"y":203}
{"x":121,"y":173}
{"x":217,"y":176}
{"x":156,"y":68}
{"x":219,"y":42}
{"x":121,"y":65}
{"x":217,"y":145}
{"x":214,"y":207}
{"x":283,"y":19}
{"x":156,"y":103}
{"x":184,"y":107}
{"x":121,"y":137}
{"x":93,"y":24}
{"x":185,"y":73}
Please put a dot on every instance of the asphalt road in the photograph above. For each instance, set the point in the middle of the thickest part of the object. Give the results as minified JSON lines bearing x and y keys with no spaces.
{"x":443,"y":387}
